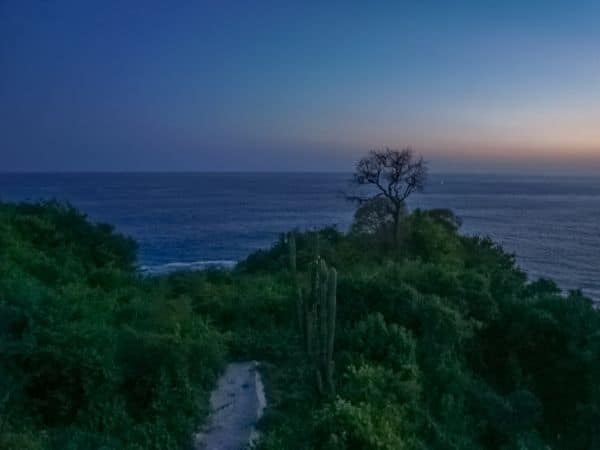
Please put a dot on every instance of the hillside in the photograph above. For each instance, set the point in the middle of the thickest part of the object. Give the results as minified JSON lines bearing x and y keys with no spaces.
{"x":440,"y":342}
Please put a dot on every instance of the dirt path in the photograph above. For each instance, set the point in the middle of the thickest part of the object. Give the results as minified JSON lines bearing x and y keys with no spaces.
{"x":237,"y":403}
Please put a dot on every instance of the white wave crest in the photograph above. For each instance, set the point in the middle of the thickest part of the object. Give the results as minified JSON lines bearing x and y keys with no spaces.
{"x":161,"y":269}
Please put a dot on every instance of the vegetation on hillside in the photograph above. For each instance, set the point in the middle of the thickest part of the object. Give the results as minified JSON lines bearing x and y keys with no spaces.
{"x":441,"y":343}
{"x":440,"y":340}
{"x":92,"y":356}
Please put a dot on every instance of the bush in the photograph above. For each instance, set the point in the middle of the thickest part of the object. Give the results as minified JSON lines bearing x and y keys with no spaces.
{"x":92,"y":355}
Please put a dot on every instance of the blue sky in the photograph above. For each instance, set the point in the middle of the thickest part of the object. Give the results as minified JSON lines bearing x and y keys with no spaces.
{"x":474,"y":86}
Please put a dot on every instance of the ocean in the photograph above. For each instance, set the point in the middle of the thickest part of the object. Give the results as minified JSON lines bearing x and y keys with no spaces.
{"x":197,"y":220}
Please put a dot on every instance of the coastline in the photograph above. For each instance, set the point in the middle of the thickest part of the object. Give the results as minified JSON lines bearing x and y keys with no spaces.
{"x":193,"y":266}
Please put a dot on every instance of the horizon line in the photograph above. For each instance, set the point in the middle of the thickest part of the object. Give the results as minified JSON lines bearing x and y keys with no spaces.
{"x":293,"y":172}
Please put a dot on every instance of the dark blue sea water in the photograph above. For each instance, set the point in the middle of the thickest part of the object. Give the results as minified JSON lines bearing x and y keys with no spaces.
{"x":194,"y":220}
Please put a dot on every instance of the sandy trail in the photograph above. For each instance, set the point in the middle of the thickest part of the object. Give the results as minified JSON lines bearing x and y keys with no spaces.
{"x":237,"y":403}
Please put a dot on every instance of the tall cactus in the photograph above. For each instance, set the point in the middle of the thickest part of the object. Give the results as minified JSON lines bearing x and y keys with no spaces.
{"x":331,"y":307}
{"x":317,"y":316}
{"x":296,"y":284}
{"x":325,"y":305}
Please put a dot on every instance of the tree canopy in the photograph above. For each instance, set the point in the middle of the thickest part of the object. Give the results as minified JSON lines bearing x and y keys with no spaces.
{"x":391,"y":174}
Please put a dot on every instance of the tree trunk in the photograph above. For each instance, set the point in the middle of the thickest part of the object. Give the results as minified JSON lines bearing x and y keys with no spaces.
{"x":397,"y":214}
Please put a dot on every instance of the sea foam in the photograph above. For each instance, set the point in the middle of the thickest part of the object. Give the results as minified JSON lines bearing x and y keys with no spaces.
{"x":161,"y":269}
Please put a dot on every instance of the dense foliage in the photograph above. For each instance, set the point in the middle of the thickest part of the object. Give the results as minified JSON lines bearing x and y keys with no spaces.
{"x":441,"y":342}
{"x":92,"y":356}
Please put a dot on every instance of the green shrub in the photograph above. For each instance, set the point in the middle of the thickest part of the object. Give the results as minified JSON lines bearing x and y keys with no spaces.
{"x":92,"y":355}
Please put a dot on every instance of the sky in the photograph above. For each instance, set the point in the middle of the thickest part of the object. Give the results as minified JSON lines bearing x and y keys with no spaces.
{"x":480,"y":86}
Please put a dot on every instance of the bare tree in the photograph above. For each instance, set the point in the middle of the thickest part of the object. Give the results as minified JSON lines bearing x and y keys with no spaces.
{"x":394,"y":174}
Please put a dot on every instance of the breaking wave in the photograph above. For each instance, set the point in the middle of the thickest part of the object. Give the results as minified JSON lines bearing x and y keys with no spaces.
{"x":161,"y":269}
